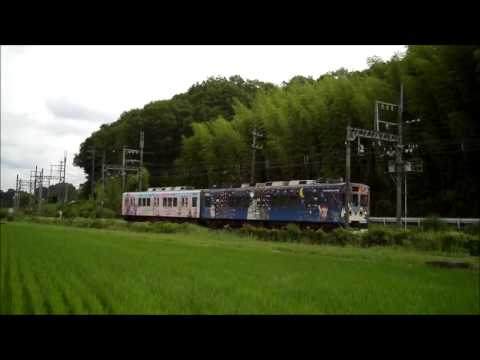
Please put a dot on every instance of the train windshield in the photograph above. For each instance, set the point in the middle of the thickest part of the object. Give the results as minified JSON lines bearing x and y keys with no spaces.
{"x":364,"y":200}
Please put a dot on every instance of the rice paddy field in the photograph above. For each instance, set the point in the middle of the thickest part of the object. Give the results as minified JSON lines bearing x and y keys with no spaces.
{"x":51,"y":269}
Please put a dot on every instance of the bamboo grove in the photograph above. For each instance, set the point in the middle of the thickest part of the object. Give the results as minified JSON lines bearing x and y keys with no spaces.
{"x":203,"y":137}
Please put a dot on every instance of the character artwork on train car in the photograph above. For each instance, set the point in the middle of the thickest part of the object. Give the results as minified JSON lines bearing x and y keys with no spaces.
{"x":260,"y":205}
{"x":330,"y":205}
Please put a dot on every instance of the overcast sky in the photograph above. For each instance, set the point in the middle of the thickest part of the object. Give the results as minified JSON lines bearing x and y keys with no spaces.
{"x":53,"y":97}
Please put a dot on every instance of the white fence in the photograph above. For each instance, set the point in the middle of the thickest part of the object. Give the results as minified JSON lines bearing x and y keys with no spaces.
{"x":417,"y":221}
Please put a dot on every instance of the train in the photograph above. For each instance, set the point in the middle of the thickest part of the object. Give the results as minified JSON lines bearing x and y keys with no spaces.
{"x":312,"y":203}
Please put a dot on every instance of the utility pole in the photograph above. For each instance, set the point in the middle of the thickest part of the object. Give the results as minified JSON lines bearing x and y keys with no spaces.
{"x":65,"y":191}
{"x":49,"y":178}
{"x":255,"y":147}
{"x":92,"y":183}
{"x":123,"y":170}
{"x":348,"y":192}
{"x":405,"y":200}
{"x":352,"y":134}
{"x":103,"y":171}
{"x":15,"y":202}
{"x":140,"y":174}
{"x":40,"y":193}
{"x":34,"y":184}
{"x":399,"y":163}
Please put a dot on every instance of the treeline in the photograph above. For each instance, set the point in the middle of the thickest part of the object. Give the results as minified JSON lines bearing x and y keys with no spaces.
{"x":52,"y":194}
{"x":203,"y":137}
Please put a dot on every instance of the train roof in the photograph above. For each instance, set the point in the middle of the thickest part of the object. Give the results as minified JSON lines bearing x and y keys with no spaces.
{"x":267,"y":185}
{"x":317,"y":184}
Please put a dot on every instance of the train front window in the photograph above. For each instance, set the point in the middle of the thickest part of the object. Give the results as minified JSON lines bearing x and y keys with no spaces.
{"x":355,"y":199}
{"x":364,"y":200}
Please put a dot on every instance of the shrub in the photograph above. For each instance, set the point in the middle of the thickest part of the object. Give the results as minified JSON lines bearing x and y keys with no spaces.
{"x":293,"y":232}
{"x":377,"y":236}
{"x":50,"y":210}
{"x":342,"y":236}
{"x":141,"y":227}
{"x":278,"y":235}
{"x":106,"y":213}
{"x":473,"y":246}
{"x":433,"y":223}
{"x":86,"y":209}
{"x":70,"y":212}
{"x":82,"y":222}
{"x":3,"y":213}
{"x":426,"y":240}
{"x":473,"y":229}
{"x":168,"y":227}
{"x":400,"y":238}
{"x":97,"y":224}
{"x":320,"y":237}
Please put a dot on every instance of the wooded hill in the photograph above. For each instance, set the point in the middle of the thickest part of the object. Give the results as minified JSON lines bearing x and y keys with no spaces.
{"x":203,"y":137}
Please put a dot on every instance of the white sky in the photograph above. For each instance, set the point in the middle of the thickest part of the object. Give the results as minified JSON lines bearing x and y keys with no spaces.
{"x":54,"y":97}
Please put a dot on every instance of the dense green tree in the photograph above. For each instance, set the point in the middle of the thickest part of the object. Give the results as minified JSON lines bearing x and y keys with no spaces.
{"x":203,"y":137}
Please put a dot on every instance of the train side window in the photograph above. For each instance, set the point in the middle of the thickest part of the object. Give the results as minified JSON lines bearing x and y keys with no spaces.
{"x":174,"y":202}
{"x":148,"y":202}
{"x":169,"y":202}
{"x":139,"y":202}
{"x":194,"y":202}
{"x":164,"y":202}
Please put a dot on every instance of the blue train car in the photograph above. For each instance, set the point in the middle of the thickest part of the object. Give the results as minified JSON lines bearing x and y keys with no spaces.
{"x":316,"y":203}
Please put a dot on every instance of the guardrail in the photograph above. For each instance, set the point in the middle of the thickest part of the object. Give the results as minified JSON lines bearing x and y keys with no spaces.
{"x":417,"y":221}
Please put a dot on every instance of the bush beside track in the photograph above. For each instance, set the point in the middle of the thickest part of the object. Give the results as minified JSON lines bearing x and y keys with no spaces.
{"x":426,"y":239}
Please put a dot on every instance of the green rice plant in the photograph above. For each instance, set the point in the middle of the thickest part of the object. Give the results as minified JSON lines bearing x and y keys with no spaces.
{"x":217,"y":272}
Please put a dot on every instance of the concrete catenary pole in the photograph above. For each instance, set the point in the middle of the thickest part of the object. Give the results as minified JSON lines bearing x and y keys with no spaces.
{"x":123,"y":171}
{"x":65,"y":190}
{"x":348,"y":187}
{"x":140,"y":173}
{"x":93,"y":173}
{"x":399,"y":162}
{"x":17,"y":195}
{"x":40,"y":193}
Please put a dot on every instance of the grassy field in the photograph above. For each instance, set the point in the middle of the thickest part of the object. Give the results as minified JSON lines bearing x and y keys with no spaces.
{"x":49,"y":269}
